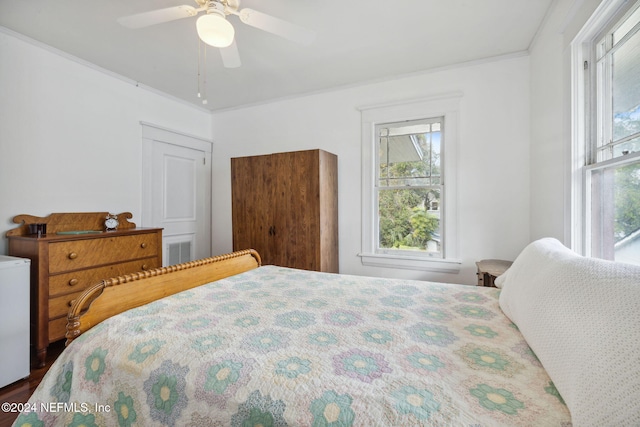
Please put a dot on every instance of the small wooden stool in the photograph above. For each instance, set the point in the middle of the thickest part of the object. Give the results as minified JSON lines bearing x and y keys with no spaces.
{"x":489,"y":269}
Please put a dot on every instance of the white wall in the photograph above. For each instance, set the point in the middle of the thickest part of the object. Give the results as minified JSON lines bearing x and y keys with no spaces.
{"x":551,"y":119}
{"x":70,"y":142}
{"x":493,"y":163}
{"x":70,"y":138}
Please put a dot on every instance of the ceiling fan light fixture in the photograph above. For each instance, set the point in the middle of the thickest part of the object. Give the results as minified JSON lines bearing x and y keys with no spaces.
{"x":215,"y":30}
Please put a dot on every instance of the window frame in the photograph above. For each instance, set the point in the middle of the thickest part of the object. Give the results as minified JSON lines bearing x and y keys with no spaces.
{"x":444,"y":105}
{"x":378,"y":187}
{"x":586,"y":130}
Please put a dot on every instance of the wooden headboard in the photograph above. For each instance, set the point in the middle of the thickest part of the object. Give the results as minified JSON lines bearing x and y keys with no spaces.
{"x":119,"y":294}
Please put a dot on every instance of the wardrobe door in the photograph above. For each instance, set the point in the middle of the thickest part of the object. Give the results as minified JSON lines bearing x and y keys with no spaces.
{"x":297,"y":216}
{"x":252,"y":205}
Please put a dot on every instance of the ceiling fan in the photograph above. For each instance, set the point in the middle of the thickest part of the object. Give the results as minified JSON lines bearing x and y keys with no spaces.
{"x":215,"y":30}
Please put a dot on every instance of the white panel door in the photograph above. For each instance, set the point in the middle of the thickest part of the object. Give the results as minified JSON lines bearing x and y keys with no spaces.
{"x":177,"y":193}
{"x":180,"y":187}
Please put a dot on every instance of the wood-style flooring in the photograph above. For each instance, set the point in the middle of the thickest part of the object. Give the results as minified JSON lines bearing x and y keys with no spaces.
{"x":20,"y":391}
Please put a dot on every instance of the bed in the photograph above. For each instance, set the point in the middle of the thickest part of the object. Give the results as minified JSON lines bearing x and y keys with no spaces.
{"x":228,"y":342}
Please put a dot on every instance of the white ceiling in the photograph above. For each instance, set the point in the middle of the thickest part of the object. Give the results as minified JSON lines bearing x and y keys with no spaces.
{"x":357,"y":41}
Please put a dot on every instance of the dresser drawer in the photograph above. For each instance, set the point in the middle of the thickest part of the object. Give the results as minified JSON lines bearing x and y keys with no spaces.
{"x":64,"y":283}
{"x":77,"y":254}
{"x":57,"y":329}
{"x":60,"y":306}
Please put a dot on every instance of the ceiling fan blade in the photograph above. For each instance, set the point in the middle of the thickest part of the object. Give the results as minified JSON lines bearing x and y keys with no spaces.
{"x":277,"y":26}
{"x":230,"y":55}
{"x":146,"y":19}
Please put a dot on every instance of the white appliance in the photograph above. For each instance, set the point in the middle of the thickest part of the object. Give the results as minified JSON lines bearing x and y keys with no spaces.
{"x":14,"y":319}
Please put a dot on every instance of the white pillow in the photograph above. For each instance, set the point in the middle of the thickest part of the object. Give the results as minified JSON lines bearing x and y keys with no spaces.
{"x":581,"y":316}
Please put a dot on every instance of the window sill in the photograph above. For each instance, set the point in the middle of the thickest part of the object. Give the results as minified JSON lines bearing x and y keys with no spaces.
{"x":411,"y":263}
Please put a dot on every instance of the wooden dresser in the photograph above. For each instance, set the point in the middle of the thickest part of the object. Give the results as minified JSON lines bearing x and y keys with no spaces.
{"x":76,"y":253}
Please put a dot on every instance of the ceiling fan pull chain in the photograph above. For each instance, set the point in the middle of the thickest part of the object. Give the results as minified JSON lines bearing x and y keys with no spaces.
{"x":202,"y":75}
{"x":199,"y":49}
{"x":204,"y":78}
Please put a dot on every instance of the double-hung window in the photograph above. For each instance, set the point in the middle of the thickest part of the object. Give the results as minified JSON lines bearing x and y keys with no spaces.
{"x":409,"y":184}
{"x":611,"y":186}
{"x":409,"y":187}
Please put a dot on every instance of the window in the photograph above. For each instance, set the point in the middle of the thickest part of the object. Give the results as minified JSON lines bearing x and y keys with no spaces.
{"x":409,"y":184}
{"x":611,"y":165}
{"x":409,"y":187}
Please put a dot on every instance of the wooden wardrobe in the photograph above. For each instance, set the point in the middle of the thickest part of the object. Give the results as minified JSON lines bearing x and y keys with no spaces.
{"x":285,"y":206}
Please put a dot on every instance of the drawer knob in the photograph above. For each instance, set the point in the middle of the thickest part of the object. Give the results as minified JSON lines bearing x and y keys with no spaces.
{"x":71,"y":302}
{"x":73,"y":282}
{"x":143,"y":245}
{"x":145,"y":267}
{"x":73,"y":255}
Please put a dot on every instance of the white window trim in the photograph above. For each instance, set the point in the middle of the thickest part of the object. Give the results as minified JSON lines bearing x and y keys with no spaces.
{"x":581,"y":52}
{"x":447,"y":105}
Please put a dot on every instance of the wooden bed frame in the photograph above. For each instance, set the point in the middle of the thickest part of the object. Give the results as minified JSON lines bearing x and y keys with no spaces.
{"x":119,"y":294}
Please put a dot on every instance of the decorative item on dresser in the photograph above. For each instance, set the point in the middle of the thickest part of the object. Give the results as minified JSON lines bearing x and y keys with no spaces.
{"x":76,"y":252}
{"x":489,"y":269}
{"x":285,"y":205}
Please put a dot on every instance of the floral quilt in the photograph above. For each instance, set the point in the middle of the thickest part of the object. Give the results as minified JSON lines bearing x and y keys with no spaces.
{"x":277,"y":347}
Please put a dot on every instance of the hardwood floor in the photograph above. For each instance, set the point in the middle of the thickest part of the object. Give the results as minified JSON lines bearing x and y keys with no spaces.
{"x":20,"y":391}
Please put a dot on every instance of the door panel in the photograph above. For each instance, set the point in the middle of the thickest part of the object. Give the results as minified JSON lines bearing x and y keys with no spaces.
{"x":253,"y":199}
{"x":181,"y":186}
{"x":297,"y":220}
